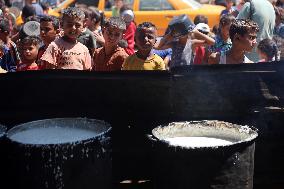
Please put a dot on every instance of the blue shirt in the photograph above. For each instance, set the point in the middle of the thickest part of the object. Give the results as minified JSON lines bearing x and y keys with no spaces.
{"x":163,"y":53}
{"x":7,"y":62}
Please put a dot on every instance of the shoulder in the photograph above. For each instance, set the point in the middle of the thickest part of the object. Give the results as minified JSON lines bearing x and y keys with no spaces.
{"x":80,"y":45}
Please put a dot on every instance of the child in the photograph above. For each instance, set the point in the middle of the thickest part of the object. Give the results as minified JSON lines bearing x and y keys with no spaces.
{"x":29,"y":48}
{"x":267,"y":50}
{"x":223,"y":42}
{"x":144,"y":59}
{"x":11,"y":56}
{"x":66,"y":52}
{"x":95,"y":26}
{"x":110,"y":57}
{"x":182,"y":43}
{"x":128,"y":36}
{"x":49,"y":29}
{"x":87,"y":37}
{"x":229,"y":8}
{"x":243,"y":34}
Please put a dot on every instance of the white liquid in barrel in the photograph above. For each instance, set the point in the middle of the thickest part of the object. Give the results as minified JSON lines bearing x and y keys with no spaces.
{"x":52,"y":135}
{"x":197,"y":141}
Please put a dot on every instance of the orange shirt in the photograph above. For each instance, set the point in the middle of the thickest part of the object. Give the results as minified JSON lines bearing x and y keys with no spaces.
{"x":112,"y":62}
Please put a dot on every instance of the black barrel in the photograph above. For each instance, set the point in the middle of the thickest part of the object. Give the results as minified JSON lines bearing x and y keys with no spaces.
{"x":3,"y":160}
{"x":204,"y":154}
{"x":61,"y":153}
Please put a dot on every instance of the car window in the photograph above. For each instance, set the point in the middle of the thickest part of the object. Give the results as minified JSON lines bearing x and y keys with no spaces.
{"x":110,"y":3}
{"x":155,"y":5}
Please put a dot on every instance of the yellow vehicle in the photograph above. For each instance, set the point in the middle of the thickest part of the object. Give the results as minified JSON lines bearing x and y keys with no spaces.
{"x":54,"y":12}
{"x":161,"y":12}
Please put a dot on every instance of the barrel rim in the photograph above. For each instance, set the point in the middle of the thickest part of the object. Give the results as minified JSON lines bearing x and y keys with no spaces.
{"x":253,"y":132}
{"x":3,"y":130}
{"x":97,"y":137}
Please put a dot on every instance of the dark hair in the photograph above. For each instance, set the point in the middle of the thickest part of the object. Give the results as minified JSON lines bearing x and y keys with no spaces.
{"x":269,"y":47}
{"x":279,"y":3}
{"x":95,"y":15}
{"x":200,"y":19}
{"x":5,"y":25}
{"x":242,"y":27}
{"x":115,"y":22}
{"x":52,"y":19}
{"x":87,"y":12}
{"x":226,"y":20}
{"x":28,"y":10}
{"x":30,"y":40}
{"x":145,"y":25}
{"x":73,"y":12}
{"x":33,"y":18}
{"x":45,"y":6}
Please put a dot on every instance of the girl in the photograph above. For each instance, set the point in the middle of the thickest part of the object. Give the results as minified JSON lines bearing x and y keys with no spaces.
{"x":267,"y":50}
{"x":223,"y":42}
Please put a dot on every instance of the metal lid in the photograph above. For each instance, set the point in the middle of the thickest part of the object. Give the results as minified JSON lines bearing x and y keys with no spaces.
{"x":31,"y":28}
{"x":181,"y":25}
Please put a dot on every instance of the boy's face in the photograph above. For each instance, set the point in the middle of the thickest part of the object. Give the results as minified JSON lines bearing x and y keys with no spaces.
{"x":72,"y":27}
{"x":47,"y":32}
{"x":248,"y":41}
{"x":112,"y":35}
{"x":29,"y":51}
{"x":146,"y":38}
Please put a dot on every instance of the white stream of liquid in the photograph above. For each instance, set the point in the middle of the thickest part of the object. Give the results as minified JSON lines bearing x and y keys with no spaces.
{"x":52,"y":135}
{"x":197,"y":141}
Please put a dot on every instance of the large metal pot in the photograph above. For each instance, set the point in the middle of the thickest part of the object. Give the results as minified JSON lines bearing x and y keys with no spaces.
{"x":3,"y":160}
{"x":61,"y":153}
{"x":224,"y":160}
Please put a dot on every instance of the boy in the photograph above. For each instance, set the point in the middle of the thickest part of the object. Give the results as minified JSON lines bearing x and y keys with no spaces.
{"x":110,"y":57}
{"x":29,"y":49}
{"x":144,"y":59}
{"x":66,"y":52}
{"x":243,"y":34}
{"x":11,"y":56}
{"x":87,"y":37}
{"x":49,"y":29}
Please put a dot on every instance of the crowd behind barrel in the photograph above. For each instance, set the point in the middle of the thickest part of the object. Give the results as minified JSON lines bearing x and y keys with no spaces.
{"x":82,"y":38}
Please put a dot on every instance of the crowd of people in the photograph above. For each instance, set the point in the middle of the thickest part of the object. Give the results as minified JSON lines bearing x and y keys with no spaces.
{"x":249,"y":31}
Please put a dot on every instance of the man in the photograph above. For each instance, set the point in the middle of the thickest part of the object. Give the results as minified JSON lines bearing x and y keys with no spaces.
{"x":262,"y":12}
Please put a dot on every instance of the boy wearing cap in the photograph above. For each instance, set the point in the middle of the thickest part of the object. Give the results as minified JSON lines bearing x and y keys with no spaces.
{"x":180,"y":40}
{"x":128,"y":35}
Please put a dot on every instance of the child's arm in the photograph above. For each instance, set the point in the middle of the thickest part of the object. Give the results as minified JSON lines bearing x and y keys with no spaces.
{"x":201,"y":39}
{"x":49,"y":58}
{"x":165,"y":42}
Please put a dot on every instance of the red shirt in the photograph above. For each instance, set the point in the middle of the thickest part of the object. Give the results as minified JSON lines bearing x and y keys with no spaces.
{"x":112,"y":62}
{"x":129,"y":37}
{"x":199,"y":55}
{"x":24,"y":67}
